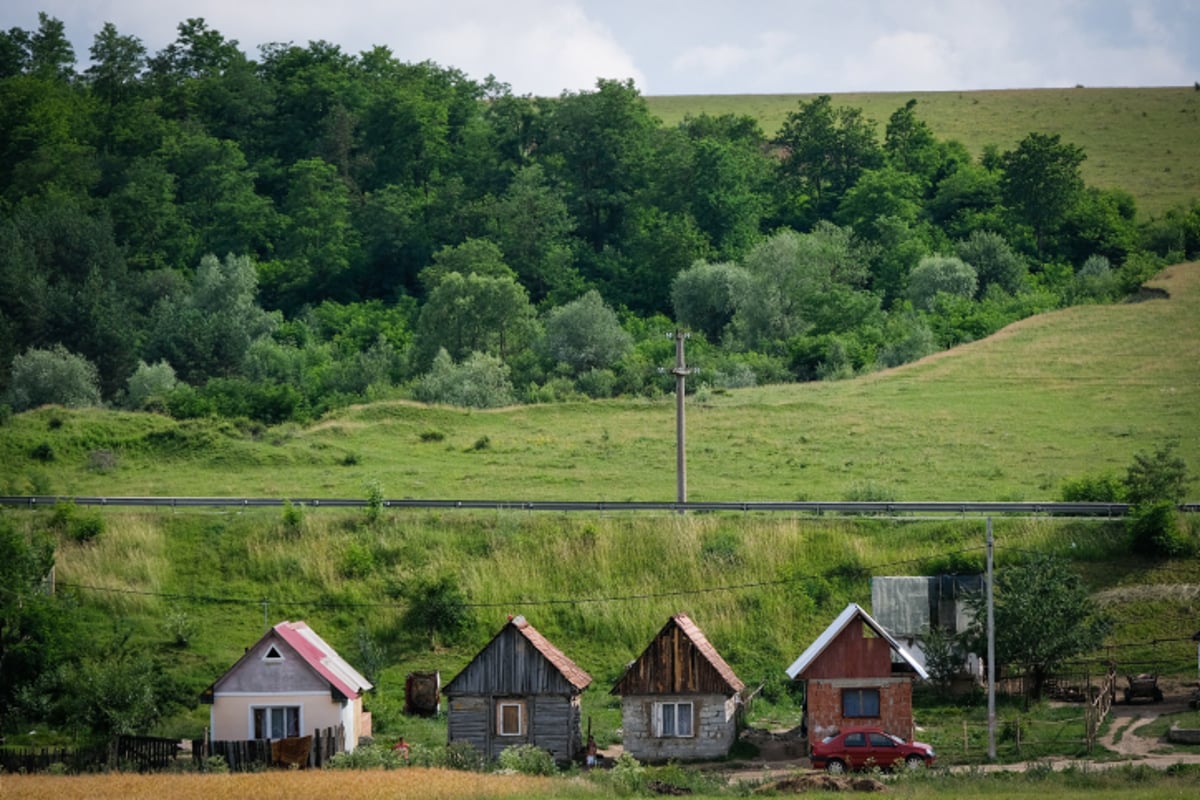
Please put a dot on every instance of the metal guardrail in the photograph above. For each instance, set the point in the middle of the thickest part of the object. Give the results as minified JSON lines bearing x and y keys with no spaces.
{"x":879,"y":508}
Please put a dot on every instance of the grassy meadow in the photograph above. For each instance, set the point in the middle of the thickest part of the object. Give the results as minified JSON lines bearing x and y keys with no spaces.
{"x":1061,"y":395}
{"x":1145,"y":141}
{"x":1074,"y":392}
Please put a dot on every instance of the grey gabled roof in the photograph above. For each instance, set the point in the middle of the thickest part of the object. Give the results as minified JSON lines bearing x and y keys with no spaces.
{"x":852,"y":612}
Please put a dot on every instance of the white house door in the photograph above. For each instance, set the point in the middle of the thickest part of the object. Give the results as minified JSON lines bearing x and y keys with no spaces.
{"x":276,"y":722}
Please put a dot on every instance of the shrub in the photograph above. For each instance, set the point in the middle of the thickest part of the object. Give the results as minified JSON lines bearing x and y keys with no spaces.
{"x":481,"y":381}
{"x":527,"y":759}
{"x":40,"y":377}
{"x":1093,"y":489}
{"x":150,"y":384}
{"x":936,"y":275}
{"x":102,"y":461}
{"x":1154,"y":530}
{"x":292,"y":519}
{"x":70,"y":522}
{"x":1160,"y":475}
{"x":462,"y":755}
{"x":43,"y":452}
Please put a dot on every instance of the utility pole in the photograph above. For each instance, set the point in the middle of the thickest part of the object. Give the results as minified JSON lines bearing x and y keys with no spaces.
{"x":991,"y":647}
{"x":680,"y":372}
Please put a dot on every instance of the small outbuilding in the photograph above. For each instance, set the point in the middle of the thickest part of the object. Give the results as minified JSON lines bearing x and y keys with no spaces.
{"x":290,"y":683}
{"x":520,"y":689}
{"x":679,"y":699}
{"x":856,"y":673}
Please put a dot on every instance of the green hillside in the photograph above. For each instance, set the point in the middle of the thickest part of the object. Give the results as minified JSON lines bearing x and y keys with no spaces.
{"x":1145,"y":141}
{"x":181,"y":594}
{"x":1077,"y":391}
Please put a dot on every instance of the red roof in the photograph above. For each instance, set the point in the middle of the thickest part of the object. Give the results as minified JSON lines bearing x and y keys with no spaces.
{"x":323,"y":659}
{"x":569,"y":669}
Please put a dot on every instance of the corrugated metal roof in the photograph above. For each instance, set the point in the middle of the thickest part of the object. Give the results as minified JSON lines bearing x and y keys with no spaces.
{"x":317,"y":653}
{"x":852,"y":612}
{"x":568,"y":668}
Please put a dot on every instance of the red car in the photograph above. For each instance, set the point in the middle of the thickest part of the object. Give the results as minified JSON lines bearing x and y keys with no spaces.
{"x":863,"y":748}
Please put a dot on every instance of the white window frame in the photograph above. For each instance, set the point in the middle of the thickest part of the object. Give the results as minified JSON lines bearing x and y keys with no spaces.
{"x":501,"y":705}
{"x":667,"y":716}
{"x":268,"y":725}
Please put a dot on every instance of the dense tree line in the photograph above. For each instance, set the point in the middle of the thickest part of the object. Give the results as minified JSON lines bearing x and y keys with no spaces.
{"x":199,"y":232}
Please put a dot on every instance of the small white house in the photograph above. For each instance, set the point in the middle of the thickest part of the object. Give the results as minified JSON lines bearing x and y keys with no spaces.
{"x":290,"y":683}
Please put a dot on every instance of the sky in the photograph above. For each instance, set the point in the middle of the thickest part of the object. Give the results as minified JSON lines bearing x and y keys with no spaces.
{"x":681,"y":47}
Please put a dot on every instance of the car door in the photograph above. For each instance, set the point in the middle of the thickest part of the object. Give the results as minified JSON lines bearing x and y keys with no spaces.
{"x":857,"y":751}
{"x":884,"y":751}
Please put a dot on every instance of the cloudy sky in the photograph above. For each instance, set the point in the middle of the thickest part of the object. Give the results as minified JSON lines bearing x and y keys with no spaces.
{"x":545,"y":47}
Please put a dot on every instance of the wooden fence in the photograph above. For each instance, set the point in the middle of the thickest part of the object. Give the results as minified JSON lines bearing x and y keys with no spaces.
{"x":244,"y":755}
{"x":1100,"y":705}
{"x":135,"y":753}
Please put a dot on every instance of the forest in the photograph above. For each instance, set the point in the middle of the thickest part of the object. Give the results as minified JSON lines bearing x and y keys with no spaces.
{"x":202,"y":233}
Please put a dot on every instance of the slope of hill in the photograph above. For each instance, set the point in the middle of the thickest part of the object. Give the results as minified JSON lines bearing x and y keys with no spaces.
{"x":1074,"y":392}
{"x":1145,"y":141}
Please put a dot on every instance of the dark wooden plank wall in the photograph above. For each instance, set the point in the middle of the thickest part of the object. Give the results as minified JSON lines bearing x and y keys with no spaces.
{"x":510,"y":665}
{"x":672,"y":664}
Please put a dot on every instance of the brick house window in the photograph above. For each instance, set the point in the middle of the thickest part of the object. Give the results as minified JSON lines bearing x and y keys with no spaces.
{"x":510,"y":718}
{"x":673,"y":719}
{"x":860,"y":703}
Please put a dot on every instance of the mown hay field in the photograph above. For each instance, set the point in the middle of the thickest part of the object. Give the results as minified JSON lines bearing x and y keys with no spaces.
{"x":427,"y":784}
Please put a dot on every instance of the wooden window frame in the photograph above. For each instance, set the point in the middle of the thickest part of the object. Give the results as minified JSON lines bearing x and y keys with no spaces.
{"x":522,"y":718}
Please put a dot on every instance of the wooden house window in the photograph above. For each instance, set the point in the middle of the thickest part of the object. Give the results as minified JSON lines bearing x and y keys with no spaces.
{"x":860,"y":702}
{"x":673,"y":720}
{"x":276,"y":722}
{"x":510,"y":718}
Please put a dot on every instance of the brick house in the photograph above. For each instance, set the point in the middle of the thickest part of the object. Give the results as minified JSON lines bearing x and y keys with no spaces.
{"x":679,"y":699}
{"x":856,"y":673}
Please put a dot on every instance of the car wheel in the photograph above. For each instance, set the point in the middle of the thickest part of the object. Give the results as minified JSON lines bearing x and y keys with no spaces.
{"x":836,"y":767}
{"x":914,"y":762}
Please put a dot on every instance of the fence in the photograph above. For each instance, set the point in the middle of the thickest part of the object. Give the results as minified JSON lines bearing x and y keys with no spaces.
{"x":246,"y":755}
{"x":140,"y":753}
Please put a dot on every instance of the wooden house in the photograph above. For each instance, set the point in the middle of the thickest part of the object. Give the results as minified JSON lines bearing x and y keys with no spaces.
{"x":520,"y":689}
{"x":290,"y":683}
{"x":856,"y":673}
{"x":679,"y":699}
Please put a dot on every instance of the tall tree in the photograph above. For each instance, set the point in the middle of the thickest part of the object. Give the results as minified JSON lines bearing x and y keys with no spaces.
{"x":825,"y":149}
{"x":1043,"y":617}
{"x":474,"y":313}
{"x":1042,"y":182}
{"x":51,"y":55}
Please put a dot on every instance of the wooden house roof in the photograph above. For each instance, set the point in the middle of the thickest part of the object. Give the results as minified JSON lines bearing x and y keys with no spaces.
{"x":679,"y":660}
{"x":519,"y":660}
{"x":852,"y":612}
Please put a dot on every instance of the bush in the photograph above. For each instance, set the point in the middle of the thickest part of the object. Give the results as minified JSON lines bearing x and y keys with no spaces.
{"x":1160,"y":475}
{"x":481,"y":381}
{"x":150,"y":384}
{"x":527,"y":759}
{"x":463,"y":755}
{"x":1154,"y":530}
{"x":1093,"y":489}
{"x":41,"y":377}
{"x":67,"y":520}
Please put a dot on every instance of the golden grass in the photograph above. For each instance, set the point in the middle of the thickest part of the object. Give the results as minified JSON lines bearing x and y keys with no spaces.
{"x":426,"y":784}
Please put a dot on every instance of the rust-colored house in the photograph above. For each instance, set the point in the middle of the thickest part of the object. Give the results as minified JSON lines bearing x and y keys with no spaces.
{"x":290,"y":683}
{"x":520,"y":689}
{"x":856,"y":673}
{"x":679,"y":699}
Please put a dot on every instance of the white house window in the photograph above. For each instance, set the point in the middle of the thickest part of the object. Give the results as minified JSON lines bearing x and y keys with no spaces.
{"x":673,"y":719}
{"x":276,"y":722}
{"x":510,"y":718}
{"x":273,"y":656}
